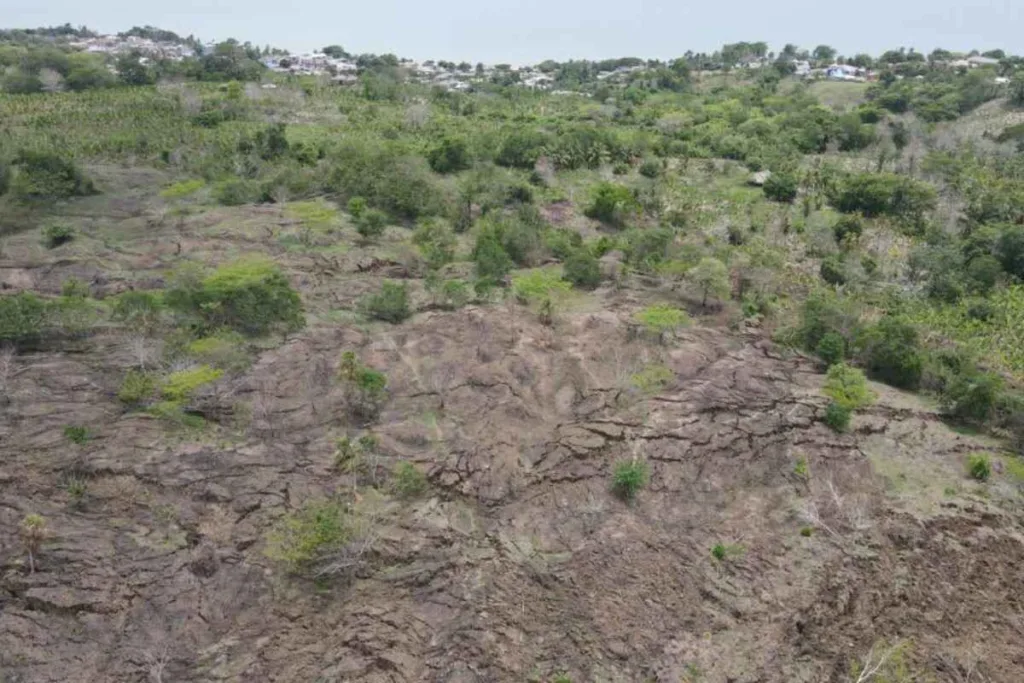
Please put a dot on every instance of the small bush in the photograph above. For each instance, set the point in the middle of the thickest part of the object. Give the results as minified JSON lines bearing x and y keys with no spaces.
{"x":237,"y":191}
{"x":781,"y":187}
{"x":47,"y":176}
{"x":979,"y":466}
{"x":357,"y":207}
{"x":833,"y":270}
{"x":831,"y":349}
{"x":492,"y":261}
{"x":251,"y":296}
{"x":660,"y":318}
{"x":303,"y":537}
{"x":848,"y":387}
{"x":371,"y":223}
{"x":653,"y":378}
{"x":136,"y":388}
{"x":582,"y":269}
{"x":837,"y":416}
{"x":77,"y":434}
{"x":563,"y":243}
{"x":892,"y":353}
{"x":718,"y":552}
{"x":451,"y":156}
{"x":56,"y":235}
{"x":629,"y":478}
{"x":183,"y":189}
{"x":436,"y":242}
{"x":650,"y":168}
{"x":972,"y":395}
{"x":534,"y":286}
{"x":614,"y":205}
{"x":22,"y":317}
{"x":806,"y":531}
{"x":409,"y":481}
{"x":225,"y":351}
{"x":182,"y":384}
{"x":847,"y":228}
{"x":390,"y":304}
{"x":365,"y":388}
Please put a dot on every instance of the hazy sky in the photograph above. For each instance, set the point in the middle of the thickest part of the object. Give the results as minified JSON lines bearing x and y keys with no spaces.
{"x":521,"y":31}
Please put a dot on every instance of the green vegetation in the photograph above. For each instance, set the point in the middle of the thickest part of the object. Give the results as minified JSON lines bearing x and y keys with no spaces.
{"x":408,"y":481}
{"x":390,"y":304}
{"x":179,"y":386}
{"x":56,"y":235}
{"x":251,"y":296}
{"x":661,"y":318}
{"x":365,"y":388}
{"x":309,"y":534}
{"x":77,"y":434}
{"x":837,"y":416}
{"x":582,"y":269}
{"x":979,"y":466}
{"x":653,"y":378}
{"x":847,"y":387}
{"x":137,"y":387}
{"x":628,"y":478}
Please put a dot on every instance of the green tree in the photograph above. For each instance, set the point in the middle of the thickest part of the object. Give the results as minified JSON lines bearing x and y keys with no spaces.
{"x":613,"y":205}
{"x":781,"y":187}
{"x":711,"y":278}
{"x":824,"y":53}
{"x":582,"y":269}
{"x":21,"y":82}
{"x":390,"y":304}
{"x":847,"y":387}
{"x":131,"y":70}
{"x":892,"y":353}
{"x":450,"y":156}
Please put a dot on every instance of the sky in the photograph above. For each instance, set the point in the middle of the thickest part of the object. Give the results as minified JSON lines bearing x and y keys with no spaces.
{"x":529,"y":31}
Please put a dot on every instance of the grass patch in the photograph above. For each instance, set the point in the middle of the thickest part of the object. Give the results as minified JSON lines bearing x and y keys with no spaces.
{"x":540,"y":284}
{"x":661,"y":318}
{"x":183,"y":189}
{"x":629,"y":478}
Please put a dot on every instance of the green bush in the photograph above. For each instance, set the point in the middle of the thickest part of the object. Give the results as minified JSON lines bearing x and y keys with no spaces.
{"x":408,"y":481}
{"x":56,"y":235}
{"x":389,"y":179}
{"x":48,"y":175}
{"x":22,"y":317}
{"x":357,"y":207}
{"x":436,"y":242}
{"x":837,"y":416}
{"x":848,"y":228}
{"x":979,"y":466}
{"x":226,"y":351}
{"x":972,"y":395}
{"x":628,"y":478}
{"x":831,"y":349}
{"x":450,"y":156}
{"x":833,"y":270}
{"x":653,"y":378}
{"x":390,"y":304}
{"x":492,"y":261}
{"x":237,"y":191}
{"x":303,"y":537}
{"x":538,"y":285}
{"x":77,"y":434}
{"x":847,"y":387}
{"x":365,"y":388}
{"x":892,"y":354}
{"x":251,"y":296}
{"x":582,"y":269}
{"x":823,"y":312}
{"x":562,"y":242}
{"x":782,"y":187}
{"x":138,"y":310}
{"x":613,"y":205}
{"x":137,"y":387}
{"x":180,"y":385}
{"x":371,"y":223}
{"x":659,"y":318}
{"x":521,"y":149}
{"x":885,"y":194}
{"x":650,"y":168}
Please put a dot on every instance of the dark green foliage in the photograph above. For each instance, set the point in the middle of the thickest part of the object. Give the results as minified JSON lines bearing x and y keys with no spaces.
{"x":1010,"y":250}
{"x":492,"y":261}
{"x":848,"y":227}
{"x":272,"y":142}
{"x":613,"y":205}
{"x":782,"y":187}
{"x":251,"y":296}
{"x":983,"y":273}
{"x":979,"y":466}
{"x":719,"y":552}
{"x":824,"y":312}
{"x":390,"y":304}
{"x":77,"y":434}
{"x":628,"y":478}
{"x":131,"y":70}
{"x":450,"y":156}
{"x":371,"y":223}
{"x":238,"y":191}
{"x":833,"y":270}
{"x":838,"y":417}
{"x":21,"y":82}
{"x":56,"y":235}
{"x":48,"y":176}
{"x":892,"y":353}
{"x":650,"y":168}
{"x":854,"y":135}
{"x":831,"y":349}
{"x":582,"y":269}
{"x":885,"y":194}
{"x":394,"y":182}
{"x":408,"y":481}
{"x":521,"y":149}
{"x":562,"y":242}
{"x":22,"y":317}
{"x":972,"y":395}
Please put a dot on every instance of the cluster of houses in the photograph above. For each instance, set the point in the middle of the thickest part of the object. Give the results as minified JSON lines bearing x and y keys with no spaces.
{"x":114,"y":45}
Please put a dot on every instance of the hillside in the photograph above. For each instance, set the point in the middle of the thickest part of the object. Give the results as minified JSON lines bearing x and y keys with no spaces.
{"x":320,"y":383}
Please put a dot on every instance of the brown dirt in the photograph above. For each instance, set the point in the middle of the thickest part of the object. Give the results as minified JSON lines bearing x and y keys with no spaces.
{"x":520,"y":563}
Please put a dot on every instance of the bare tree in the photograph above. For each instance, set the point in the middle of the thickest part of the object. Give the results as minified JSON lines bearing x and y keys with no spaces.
{"x":157,"y":661}
{"x":874,"y":662}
